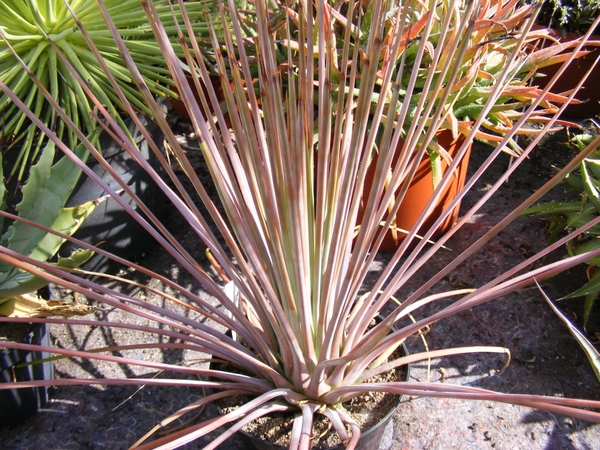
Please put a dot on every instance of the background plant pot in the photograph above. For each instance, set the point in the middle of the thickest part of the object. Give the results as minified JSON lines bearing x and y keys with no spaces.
{"x":16,"y":405}
{"x":590,"y":93}
{"x":109,"y":225}
{"x":421,"y":190}
{"x":179,"y":106}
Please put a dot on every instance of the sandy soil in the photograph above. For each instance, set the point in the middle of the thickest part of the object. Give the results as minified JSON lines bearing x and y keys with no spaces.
{"x":546,"y":359}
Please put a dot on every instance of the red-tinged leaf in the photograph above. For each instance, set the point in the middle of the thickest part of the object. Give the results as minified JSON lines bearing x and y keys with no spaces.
{"x":557,"y":53}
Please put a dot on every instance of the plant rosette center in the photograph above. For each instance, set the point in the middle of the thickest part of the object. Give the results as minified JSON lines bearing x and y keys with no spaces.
{"x":367,"y":410}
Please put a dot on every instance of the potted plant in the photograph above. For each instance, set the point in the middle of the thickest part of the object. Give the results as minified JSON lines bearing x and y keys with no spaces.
{"x":569,"y":16}
{"x":43,"y":206}
{"x":45,"y":42}
{"x":478,"y":67}
{"x":575,"y":213}
{"x":43,"y":53}
{"x":289,"y":175}
{"x":566,"y":20}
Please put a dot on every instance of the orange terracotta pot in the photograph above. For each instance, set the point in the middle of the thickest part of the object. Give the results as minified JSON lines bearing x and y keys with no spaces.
{"x":589,"y":93}
{"x":419,"y":193}
{"x":178,"y":104}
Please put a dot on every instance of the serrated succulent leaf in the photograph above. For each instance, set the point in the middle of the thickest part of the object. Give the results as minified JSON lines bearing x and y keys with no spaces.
{"x":575,"y":181}
{"x":590,"y":288}
{"x":590,"y":188}
{"x":553,"y":208}
{"x":77,"y":258}
{"x":591,"y":245}
{"x":587,"y":214}
{"x":39,"y":204}
{"x":18,"y":283}
{"x":44,"y":195}
{"x":68,"y":222}
{"x":588,"y":304}
{"x":15,"y":283}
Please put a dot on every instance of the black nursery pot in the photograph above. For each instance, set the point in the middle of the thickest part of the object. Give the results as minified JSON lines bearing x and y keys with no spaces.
{"x":16,"y":405}
{"x":109,"y":225}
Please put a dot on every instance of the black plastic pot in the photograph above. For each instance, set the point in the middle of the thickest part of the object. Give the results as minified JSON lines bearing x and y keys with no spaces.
{"x":16,"y":405}
{"x":109,"y":225}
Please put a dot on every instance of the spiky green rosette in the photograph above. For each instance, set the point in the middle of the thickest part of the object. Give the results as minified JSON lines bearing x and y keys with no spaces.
{"x":47,"y":38}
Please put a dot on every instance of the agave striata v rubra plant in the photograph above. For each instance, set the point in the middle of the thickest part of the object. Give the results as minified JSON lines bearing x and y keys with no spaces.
{"x":289,"y":166}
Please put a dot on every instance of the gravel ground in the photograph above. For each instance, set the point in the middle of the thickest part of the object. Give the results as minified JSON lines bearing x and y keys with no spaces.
{"x":545,"y":358}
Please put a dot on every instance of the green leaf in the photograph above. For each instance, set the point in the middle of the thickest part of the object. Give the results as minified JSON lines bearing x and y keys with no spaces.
{"x":594,"y":165}
{"x":553,"y":208}
{"x":365,"y":26}
{"x":590,"y":299}
{"x":19,"y":282}
{"x":589,"y":188}
{"x":435,"y":162}
{"x":582,"y":217}
{"x":68,"y":222}
{"x":38,"y":205}
{"x":556,"y":226}
{"x":590,"y":351}
{"x":590,"y":288}
{"x":581,"y":141}
{"x":575,"y":181}
{"x":2,"y":193}
{"x":44,"y":195}
{"x":77,"y":258}
{"x":588,"y":246}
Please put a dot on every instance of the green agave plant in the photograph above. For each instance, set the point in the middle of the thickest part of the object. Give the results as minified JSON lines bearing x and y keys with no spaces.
{"x":289,"y":164}
{"x":563,"y":216}
{"x":41,"y":209}
{"x":43,"y":39}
